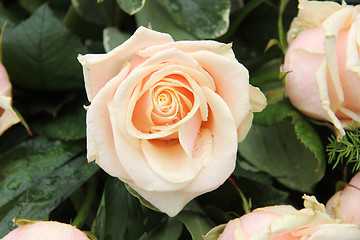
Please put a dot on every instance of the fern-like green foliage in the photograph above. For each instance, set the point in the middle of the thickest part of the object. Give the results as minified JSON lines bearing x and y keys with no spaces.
{"x":347,"y":149}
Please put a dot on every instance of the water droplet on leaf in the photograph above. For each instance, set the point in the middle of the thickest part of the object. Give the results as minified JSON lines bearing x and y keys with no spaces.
{"x":13,"y":185}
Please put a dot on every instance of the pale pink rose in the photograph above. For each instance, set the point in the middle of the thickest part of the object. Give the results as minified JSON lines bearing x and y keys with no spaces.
{"x":7,"y":115}
{"x":42,"y":230}
{"x":323,"y":64}
{"x":345,"y":204}
{"x":286,"y":223}
{"x":166,"y":117}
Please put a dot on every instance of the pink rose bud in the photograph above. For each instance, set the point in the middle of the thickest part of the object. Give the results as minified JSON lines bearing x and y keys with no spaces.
{"x":166,"y":116}
{"x":286,"y":223}
{"x":345,"y":204}
{"x":7,"y":115}
{"x":42,"y":230}
{"x":254,"y":222}
{"x":323,"y":64}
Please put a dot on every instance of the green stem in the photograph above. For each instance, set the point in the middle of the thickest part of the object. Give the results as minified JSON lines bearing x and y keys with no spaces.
{"x":1,"y":38}
{"x":245,"y":202}
{"x":84,"y":210}
{"x":282,"y":35}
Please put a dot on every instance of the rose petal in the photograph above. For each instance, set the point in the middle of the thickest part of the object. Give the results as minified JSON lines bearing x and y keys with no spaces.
{"x":349,"y":201}
{"x":245,"y":126}
{"x":170,"y":203}
{"x":232,"y":86}
{"x":337,"y":232}
{"x":42,"y":230}
{"x":5,"y":85}
{"x":332,"y":25}
{"x":188,"y":133}
{"x":8,"y":117}
{"x":192,"y":46}
{"x":169,"y":160}
{"x":257,"y":99}
{"x":100,"y":139}
{"x":301,"y":84}
{"x":233,"y":231}
{"x":321,"y":81}
{"x":309,"y":16}
{"x":352,"y":45}
{"x":224,"y":146}
{"x":100,"y":68}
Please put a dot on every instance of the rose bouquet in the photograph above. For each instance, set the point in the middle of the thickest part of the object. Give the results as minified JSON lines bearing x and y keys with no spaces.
{"x":191,"y":119}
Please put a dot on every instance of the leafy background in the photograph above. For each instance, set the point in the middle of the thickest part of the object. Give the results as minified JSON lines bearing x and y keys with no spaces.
{"x":46,"y":175}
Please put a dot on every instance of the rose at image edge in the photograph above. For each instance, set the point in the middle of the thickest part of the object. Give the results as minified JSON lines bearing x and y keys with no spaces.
{"x":322,"y":63}
{"x":284,"y":222}
{"x":44,"y":230}
{"x":166,"y":117}
{"x":8,"y":117}
{"x":344,"y":204}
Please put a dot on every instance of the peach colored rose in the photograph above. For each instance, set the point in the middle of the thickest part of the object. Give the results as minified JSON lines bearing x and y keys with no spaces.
{"x":286,"y":223}
{"x":42,"y":230}
{"x":345,"y":204}
{"x":165,"y":117}
{"x":7,"y":115}
{"x":323,"y":64}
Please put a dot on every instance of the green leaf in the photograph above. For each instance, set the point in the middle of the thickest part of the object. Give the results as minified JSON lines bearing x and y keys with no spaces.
{"x":204,"y":18}
{"x":131,"y":6}
{"x":214,"y":233}
{"x":155,"y":14}
{"x":258,"y":188}
{"x":70,"y":124}
{"x":120,"y":215}
{"x":141,"y":199}
{"x":287,"y":147}
{"x":48,"y":192}
{"x":144,"y":237}
{"x":30,"y":6}
{"x":100,"y":219}
{"x":40,"y":54}
{"x":237,"y":17}
{"x":113,"y":38}
{"x":30,"y":161}
{"x":31,"y":103}
{"x":101,"y":13}
{"x":196,"y":223}
{"x":170,"y":230}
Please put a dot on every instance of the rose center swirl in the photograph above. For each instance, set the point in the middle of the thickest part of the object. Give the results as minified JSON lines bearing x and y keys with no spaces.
{"x":170,"y":103}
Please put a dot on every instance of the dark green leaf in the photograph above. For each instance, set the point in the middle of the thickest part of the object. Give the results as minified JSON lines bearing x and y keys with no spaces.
{"x":47,"y":193}
{"x":144,"y":237}
{"x":113,"y":38}
{"x":120,"y":214}
{"x":30,"y":6}
{"x":31,"y":103}
{"x":45,"y":52}
{"x":69,"y":125}
{"x":287,"y":147}
{"x":155,"y":14}
{"x":100,"y":220}
{"x":214,"y":233}
{"x":102,"y":13}
{"x":141,"y":199}
{"x":259,"y":191}
{"x":170,"y":230}
{"x":237,"y":18}
{"x":24,"y":165}
{"x":131,"y":6}
{"x":196,"y":223}
{"x":205,"y":18}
